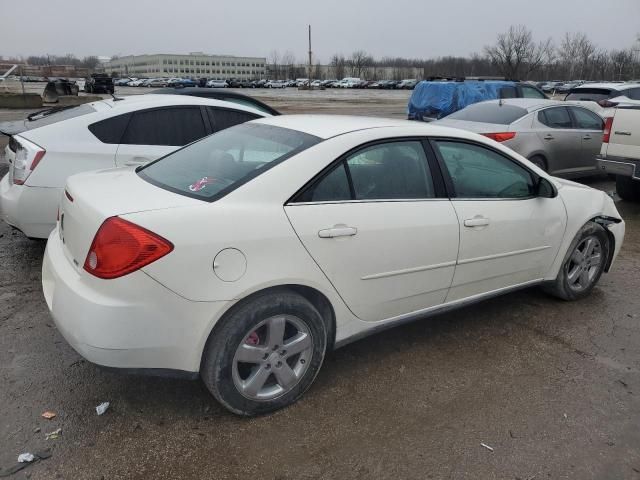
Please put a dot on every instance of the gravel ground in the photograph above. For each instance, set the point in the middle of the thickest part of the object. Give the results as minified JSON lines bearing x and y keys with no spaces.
{"x":552,"y":387}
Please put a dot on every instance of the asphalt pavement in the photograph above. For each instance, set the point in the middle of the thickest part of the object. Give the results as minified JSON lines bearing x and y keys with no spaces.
{"x":552,"y":387}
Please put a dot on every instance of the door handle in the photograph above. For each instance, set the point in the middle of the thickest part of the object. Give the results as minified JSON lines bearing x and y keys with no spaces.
{"x":587,"y":137}
{"x":338,"y":231}
{"x":477,"y":221}
{"x":548,"y":137}
{"x":622,"y":132}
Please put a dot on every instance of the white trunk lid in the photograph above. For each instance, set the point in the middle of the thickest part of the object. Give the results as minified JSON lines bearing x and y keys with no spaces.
{"x":90,"y":198}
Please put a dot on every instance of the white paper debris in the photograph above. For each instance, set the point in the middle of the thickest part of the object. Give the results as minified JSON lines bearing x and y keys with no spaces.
{"x":487,"y":447}
{"x":26,"y":458}
{"x":100,"y":409}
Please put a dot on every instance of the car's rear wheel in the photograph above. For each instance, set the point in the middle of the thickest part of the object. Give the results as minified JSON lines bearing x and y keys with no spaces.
{"x":265,"y":354}
{"x":583,"y":264}
{"x":539,"y":162}
{"x":628,"y":188}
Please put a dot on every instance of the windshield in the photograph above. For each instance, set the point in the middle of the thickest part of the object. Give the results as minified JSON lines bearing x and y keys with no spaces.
{"x":489,"y":113}
{"x":592,"y":94}
{"x":216,"y":165}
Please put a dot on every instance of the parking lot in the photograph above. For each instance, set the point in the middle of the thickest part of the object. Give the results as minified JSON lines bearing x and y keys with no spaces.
{"x":552,"y":387}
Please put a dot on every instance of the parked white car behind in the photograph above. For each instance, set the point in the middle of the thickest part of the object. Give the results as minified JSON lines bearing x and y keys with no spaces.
{"x":111,"y":133}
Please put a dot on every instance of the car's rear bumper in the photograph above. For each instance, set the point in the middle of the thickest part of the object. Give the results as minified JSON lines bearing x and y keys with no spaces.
{"x":132,"y":322}
{"x":30,"y":209}
{"x":625,"y":167}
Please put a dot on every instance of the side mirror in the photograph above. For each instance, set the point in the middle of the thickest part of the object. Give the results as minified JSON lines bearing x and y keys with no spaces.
{"x":545,"y":189}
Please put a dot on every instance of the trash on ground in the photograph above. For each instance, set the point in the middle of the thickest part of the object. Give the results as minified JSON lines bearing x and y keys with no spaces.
{"x":53,"y":435}
{"x":565,"y":416}
{"x":36,"y":430}
{"x":100,"y":409}
{"x":6,"y":472}
{"x":26,"y":458}
{"x":48,"y":415}
{"x":487,"y":447}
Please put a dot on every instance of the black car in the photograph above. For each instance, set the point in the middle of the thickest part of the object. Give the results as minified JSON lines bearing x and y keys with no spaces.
{"x":220,"y":94}
{"x":99,"y":83}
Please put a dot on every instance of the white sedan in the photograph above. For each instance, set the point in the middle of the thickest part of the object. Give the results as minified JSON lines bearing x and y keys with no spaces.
{"x":245,"y":257}
{"x":51,"y":145}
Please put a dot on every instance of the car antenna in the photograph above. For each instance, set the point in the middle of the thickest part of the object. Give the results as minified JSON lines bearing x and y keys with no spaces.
{"x":116,"y":99}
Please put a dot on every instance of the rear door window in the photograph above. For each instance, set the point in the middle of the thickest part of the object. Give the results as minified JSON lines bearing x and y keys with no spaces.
{"x":222,"y":118}
{"x":395,"y":170}
{"x":586,"y":120}
{"x":556,"y":117}
{"x":175,"y":126}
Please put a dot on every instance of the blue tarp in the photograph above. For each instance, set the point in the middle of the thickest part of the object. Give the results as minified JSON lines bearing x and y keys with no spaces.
{"x":433,"y":100}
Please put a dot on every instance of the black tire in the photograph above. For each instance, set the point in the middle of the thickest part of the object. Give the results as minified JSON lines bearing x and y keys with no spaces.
{"x":539,"y":161}
{"x":218,"y":367}
{"x":562,"y":287}
{"x":628,"y":189}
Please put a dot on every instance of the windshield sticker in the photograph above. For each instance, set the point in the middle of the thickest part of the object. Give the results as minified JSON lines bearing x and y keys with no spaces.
{"x":201,"y":184}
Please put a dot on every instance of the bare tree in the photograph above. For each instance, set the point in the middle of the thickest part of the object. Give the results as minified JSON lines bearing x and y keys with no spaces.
{"x":620,"y":61}
{"x":288,"y":65}
{"x":274,"y":64}
{"x":337,"y":65}
{"x":577,"y":53}
{"x":359,"y":63}
{"x":515,"y":53}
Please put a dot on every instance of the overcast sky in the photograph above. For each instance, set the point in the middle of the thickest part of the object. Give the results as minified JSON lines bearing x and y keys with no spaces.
{"x":408,"y":28}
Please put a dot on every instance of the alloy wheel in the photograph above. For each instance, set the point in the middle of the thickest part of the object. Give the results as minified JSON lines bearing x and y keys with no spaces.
{"x":272,"y":358}
{"x":584,"y":264}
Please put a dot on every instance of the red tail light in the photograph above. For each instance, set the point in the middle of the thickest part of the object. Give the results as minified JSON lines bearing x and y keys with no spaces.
{"x":121,"y":247}
{"x":607,"y":104}
{"x":501,"y":136}
{"x":606,"y":134}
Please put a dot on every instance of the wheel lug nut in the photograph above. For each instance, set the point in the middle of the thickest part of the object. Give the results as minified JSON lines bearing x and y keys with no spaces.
{"x":267,"y":366}
{"x":279,"y":364}
{"x":302,"y":361}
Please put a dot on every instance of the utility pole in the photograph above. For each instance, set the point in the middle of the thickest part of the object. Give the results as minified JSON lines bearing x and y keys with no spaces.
{"x":310,"y":64}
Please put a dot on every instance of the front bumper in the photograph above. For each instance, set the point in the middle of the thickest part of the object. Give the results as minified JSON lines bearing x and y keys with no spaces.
{"x":625,"y":167}
{"x":32,"y":210}
{"x":131,"y":322}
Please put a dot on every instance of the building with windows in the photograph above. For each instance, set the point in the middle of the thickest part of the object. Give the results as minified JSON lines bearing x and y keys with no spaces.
{"x":196,"y":65}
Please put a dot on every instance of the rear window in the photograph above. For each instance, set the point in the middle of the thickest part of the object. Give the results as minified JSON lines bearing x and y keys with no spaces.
{"x":218,"y":164}
{"x":489,"y":113}
{"x":57,"y":114}
{"x":592,"y":94}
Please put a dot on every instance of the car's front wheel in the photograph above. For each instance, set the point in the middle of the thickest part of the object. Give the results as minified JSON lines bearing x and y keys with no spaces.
{"x":583,"y":264}
{"x":265,"y":354}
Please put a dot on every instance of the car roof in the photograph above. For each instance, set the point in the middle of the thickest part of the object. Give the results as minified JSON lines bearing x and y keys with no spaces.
{"x":133,"y":102}
{"x":529,"y":104}
{"x":608,"y":85}
{"x":327,"y":126}
{"x":218,"y":94}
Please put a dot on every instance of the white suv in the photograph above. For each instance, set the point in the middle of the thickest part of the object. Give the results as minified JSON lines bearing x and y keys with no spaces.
{"x":607,"y":95}
{"x":57,"y":143}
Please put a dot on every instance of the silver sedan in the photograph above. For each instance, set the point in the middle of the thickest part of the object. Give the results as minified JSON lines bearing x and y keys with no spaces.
{"x":559,"y":137}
